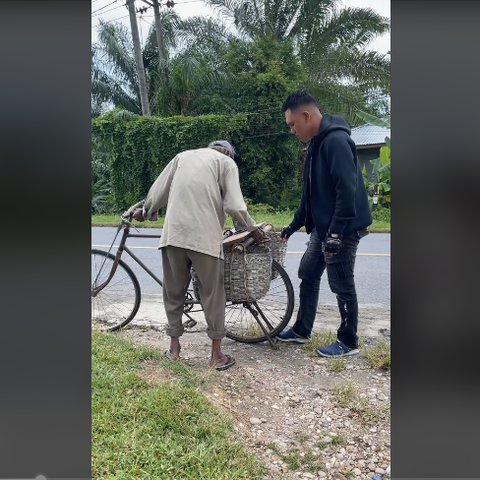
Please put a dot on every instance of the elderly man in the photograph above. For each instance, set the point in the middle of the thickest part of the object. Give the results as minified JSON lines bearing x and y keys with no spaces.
{"x":198,"y":187}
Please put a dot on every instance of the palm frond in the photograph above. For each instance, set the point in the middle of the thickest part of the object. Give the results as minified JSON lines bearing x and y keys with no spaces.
{"x":170,"y":22}
{"x":367,"y":70}
{"x":213,"y":35}
{"x":226,"y":8}
{"x":307,"y":15}
{"x":354,"y":27}
{"x":115,"y":50}
{"x":247,"y":15}
{"x":338,"y":99}
{"x":124,"y":114}
{"x":106,"y":89}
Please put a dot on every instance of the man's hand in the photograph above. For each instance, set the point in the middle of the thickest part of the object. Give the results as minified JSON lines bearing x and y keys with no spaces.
{"x":332,"y":244}
{"x":138,"y":215}
{"x":285,"y":234}
{"x":258,"y":235}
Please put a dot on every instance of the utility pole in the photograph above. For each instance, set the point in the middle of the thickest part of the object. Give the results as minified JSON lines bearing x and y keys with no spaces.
{"x":142,"y":81}
{"x":159,"y":31}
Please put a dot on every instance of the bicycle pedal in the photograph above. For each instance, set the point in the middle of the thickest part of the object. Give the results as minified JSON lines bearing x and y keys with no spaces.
{"x":189,"y":323}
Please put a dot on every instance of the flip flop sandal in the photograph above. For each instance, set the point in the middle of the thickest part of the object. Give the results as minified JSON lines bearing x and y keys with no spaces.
{"x":168,"y":354}
{"x":230,"y":362}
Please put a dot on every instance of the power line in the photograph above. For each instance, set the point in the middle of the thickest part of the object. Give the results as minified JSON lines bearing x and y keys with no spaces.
{"x":261,"y":112}
{"x":115,"y":19}
{"x":106,"y":11}
{"x":105,"y":6}
{"x":268,"y":134}
{"x":125,"y":16}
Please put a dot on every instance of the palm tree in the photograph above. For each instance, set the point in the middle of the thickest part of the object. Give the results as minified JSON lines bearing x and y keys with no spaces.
{"x":192,"y":70}
{"x":188,"y":67}
{"x":331,"y":42}
{"x":114,"y":78}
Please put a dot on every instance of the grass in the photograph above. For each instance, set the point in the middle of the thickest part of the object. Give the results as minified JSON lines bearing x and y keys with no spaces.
{"x":254,"y":330}
{"x":337,"y":440}
{"x":278,"y":220}
{"x":380,"y":227}
{"x":165,"y":429}
{"x":347,"y":397}
{"x":303,"y":458}
{"x":319,"y":339}
{"x":113,"y":220}
{"x":336,"y":365}
{"x":345,"y":394}
{"x":379,"y":356}
{"x":301,"y":437}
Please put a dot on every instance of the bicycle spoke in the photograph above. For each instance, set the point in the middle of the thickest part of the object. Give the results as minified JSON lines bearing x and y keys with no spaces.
{"x":118,"y":301}
{"x":264,"y":318}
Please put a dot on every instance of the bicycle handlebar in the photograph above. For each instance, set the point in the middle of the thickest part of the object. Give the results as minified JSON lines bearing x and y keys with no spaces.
{"x":127,"y":215}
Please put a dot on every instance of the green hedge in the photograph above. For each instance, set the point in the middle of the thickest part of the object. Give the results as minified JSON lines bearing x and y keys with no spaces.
{"x":137,"y":148}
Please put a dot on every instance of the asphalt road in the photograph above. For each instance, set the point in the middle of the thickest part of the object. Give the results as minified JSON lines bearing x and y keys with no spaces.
{"x":372,"y":270}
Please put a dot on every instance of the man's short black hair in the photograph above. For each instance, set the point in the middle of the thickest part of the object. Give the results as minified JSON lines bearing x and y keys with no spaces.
{"x":297,"y":99}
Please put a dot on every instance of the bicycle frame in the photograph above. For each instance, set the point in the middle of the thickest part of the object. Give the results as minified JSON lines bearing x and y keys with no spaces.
{"x":122,"y":247}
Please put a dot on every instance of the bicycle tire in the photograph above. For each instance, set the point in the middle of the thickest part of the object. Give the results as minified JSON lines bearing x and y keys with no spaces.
{"x":246,"y":306}
{"x":114,"y":299}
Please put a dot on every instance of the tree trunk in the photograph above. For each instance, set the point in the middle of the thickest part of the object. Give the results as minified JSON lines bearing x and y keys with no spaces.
{"x":142,"y":81}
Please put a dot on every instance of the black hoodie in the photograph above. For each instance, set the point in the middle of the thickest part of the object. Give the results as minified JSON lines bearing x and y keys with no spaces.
{"x":334,"y":198}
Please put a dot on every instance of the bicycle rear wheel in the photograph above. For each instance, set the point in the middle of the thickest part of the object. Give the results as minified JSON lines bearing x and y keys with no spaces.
{"x":244,"y":321}
{"x":117,"y":303}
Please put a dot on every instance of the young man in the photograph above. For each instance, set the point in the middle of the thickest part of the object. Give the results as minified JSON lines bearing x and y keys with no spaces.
{"x":334,"y":209}
{"x":198,"y":187}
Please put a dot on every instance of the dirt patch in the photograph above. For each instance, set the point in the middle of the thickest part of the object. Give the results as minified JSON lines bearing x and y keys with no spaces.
{"x":153,"y":374}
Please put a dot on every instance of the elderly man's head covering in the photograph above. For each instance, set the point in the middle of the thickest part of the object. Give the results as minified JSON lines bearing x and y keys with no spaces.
{"x":227,"y":146}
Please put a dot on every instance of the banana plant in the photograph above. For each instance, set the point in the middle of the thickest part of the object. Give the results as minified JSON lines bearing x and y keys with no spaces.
{"x":378,"y":186}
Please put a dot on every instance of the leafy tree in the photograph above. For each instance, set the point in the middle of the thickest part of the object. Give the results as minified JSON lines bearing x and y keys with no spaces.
{"x":330,"y":42}
{"x":186,"y":69}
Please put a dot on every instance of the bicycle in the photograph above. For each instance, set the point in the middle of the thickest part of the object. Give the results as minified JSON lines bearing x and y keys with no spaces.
{"x":116,"y":294}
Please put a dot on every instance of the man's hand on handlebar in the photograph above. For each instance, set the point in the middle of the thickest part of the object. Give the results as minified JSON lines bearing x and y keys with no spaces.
{"x":135,"y":212}
{"x":138,"y":215}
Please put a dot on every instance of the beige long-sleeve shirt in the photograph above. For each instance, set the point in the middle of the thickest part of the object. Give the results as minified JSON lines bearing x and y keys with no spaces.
{"x":199,"y":187}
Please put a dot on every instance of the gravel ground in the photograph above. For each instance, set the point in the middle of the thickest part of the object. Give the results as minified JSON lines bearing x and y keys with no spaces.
{"x":303,"y":416}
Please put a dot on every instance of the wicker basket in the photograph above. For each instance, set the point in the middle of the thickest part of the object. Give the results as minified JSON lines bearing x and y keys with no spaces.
{"x":278,"y":248}
{"x":247,"y":274}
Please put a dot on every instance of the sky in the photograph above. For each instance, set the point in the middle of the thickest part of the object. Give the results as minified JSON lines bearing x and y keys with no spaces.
{"x":109,"y":10}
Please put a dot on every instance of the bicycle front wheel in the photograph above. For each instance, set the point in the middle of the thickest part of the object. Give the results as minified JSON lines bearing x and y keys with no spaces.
{"x":248,"y":321}
{"x":117,"y":303}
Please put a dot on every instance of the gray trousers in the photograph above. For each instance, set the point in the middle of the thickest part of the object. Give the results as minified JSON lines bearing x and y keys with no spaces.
{"x":177,"y":263}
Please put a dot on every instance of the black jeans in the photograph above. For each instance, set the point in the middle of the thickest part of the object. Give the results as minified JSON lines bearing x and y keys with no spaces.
{"x":340,"y":271}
